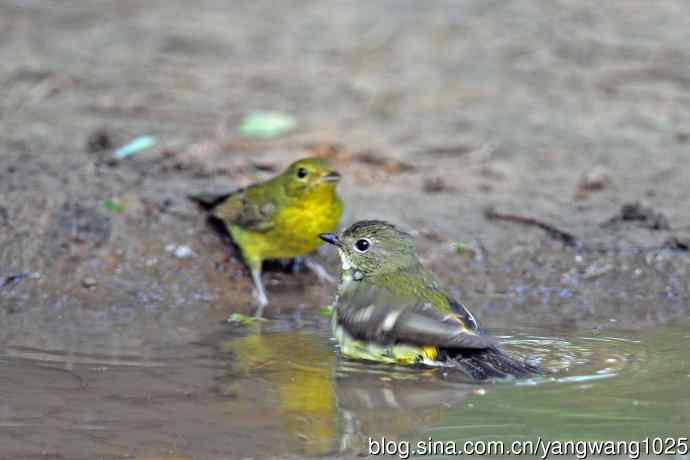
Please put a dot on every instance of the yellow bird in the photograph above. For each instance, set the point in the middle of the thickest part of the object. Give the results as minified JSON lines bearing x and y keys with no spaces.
{"x":283,"y":217}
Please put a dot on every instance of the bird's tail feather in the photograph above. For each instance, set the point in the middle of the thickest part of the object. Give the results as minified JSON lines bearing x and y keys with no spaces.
{"x":491,"y":363}
{"x":208,"y":201}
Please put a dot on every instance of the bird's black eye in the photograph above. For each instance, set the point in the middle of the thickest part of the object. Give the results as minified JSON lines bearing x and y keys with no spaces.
{"x":302,"y":173}
{"x":362,"y":245}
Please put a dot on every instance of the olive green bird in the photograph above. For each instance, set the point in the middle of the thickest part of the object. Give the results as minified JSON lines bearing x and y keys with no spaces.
{"x":389,"y":308}
{"x":281,"y":218}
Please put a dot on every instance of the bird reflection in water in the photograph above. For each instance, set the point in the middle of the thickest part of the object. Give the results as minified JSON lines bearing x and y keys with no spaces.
{"x":327,"y":403}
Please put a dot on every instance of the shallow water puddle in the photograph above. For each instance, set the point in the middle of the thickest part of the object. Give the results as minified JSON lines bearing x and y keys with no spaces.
{"x":278,"y":388}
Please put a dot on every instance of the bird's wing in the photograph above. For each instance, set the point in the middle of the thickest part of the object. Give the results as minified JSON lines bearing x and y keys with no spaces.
{"x":446,"y":304}
{"x":371,"y":313}
{"x":463,"y":314}
{"x":252,"y":208}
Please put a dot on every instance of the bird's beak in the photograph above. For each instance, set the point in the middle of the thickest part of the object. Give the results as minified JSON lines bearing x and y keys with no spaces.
{"x":331,"y":238}
{"x":333,"y":176}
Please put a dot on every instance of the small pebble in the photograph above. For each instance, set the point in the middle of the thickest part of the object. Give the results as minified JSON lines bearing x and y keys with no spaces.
{"x":183,"y":252}
{"x":596,"y":270}
{"x":89,"y":282}
{"x":596,"y":179}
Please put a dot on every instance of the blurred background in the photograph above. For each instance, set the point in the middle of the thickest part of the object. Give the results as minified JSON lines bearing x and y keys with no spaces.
{"x":459,"y":121}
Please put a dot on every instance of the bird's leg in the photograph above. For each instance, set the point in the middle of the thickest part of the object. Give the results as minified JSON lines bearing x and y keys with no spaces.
{"x":259,"y":291}
{"x":287,"y":264}
{"x":297,"y":264}
{"x":318,"y":270}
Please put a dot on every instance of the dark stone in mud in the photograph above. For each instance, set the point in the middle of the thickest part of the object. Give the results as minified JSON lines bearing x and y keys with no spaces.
{"x":28,"y":74}
{"x":646,"y":216}
{"x":682,"y":137}
{"x":452,"y":150}
{"x":679,"y":243}
{"x":435,"y":185}
{"x":99,"y":140}
{"x":8,"y":282}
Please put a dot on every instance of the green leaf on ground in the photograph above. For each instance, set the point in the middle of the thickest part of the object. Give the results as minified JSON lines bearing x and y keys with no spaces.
{"x":459,"y":247}
{"x":267,"y":124}
{"x":243,"y":319}
{"x":136,"y":146}
{"x":113,"y":206}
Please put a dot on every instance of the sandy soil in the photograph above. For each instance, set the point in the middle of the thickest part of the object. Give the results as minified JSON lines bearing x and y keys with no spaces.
{"x":433,"y":112}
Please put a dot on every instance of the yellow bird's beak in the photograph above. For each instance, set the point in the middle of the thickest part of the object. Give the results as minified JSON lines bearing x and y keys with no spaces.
{"x":333,"y":176}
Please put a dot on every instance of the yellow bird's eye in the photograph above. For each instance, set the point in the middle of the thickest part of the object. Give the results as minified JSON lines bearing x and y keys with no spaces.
{"x":362,"y":245}
{"x":302,"y":173}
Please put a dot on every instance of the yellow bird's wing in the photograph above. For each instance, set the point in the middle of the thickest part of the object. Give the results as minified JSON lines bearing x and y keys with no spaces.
{"x":253,"y":208}
{"x":371,"y":313}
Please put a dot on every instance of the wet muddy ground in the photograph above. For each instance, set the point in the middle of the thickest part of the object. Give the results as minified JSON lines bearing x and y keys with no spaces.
{"x":113,"y":346}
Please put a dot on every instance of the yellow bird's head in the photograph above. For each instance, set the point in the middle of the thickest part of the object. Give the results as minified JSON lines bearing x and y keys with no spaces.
{"x":308,"y":175}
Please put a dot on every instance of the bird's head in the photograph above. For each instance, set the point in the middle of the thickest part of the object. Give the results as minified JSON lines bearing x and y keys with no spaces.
{"x":374,"y":247}
{"x":308,"y":175}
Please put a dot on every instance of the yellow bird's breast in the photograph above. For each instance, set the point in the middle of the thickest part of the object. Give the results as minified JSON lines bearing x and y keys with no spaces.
{"x":296,"y":227}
